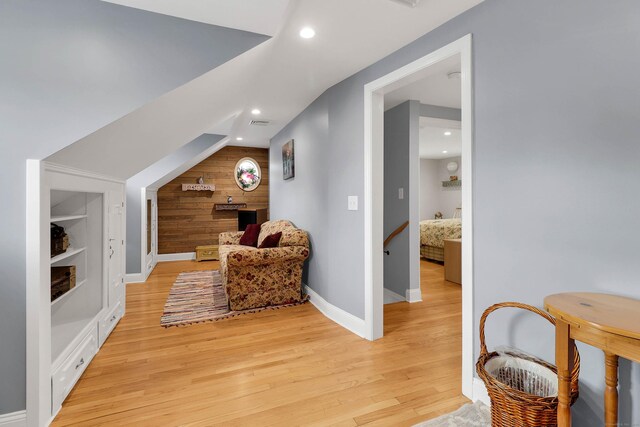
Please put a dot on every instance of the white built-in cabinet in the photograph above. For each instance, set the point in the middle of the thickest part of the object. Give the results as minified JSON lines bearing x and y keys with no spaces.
{"x":64,"y":335}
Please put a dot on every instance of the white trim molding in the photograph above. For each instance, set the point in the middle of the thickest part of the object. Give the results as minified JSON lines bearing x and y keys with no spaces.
{"x":134,"y":278}
{"x":414,"y":295}
{"x":54,"y":167}
{"x":480,"y":392}
{"x":184,"y":256}
{"x":14,"y":419}
{"x":338,"y":315}
{"x":390,"y":297}
{"x":374,"y":199}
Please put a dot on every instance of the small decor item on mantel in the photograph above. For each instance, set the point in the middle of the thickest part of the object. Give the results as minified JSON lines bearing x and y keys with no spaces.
{"x":288,"y":161}
{"x":199,"y":186}
{"x":438,"y":215}
{"x":229,"y":199}
{"x":248,"y":174}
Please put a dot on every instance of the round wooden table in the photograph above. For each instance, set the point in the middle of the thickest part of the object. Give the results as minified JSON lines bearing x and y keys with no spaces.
{"x":608,"y":322}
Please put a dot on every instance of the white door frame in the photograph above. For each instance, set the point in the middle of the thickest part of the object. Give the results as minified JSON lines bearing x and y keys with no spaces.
{"x":374,"y":192}
{"x":148,"y":262}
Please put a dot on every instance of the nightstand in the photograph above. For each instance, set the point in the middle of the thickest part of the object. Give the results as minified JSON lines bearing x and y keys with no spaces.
{"x":453,"y":260}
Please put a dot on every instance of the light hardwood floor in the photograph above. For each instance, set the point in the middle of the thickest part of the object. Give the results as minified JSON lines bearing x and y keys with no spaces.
{"x":284,"y":367}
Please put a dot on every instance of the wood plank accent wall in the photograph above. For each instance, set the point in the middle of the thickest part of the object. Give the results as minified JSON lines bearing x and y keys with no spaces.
{"x":187,"y":219}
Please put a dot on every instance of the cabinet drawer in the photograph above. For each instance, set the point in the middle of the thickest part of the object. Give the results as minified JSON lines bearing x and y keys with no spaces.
{"x":109,"y":322}
{"x":65,"y":377}
{"x":207,"y":253}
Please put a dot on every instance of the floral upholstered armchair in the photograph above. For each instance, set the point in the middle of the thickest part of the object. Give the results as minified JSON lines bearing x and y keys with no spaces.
{"x":254,"y":277}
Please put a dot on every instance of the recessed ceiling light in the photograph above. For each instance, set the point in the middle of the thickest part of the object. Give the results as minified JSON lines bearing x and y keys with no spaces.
{"x":239,"y":138}
{"x":447,"y":133}
{"x":255,"y":112}
{"x":444,"y":152}
{"x":307,"y":33}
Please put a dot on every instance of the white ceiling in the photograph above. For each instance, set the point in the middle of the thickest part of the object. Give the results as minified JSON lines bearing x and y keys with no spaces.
{"x":258,"y":16}
{"x":433,"y":141}
{"x":296,"y":71}
{"x":436,"y":89}
{"x":287,"y":73}
{"x":281,"y":77}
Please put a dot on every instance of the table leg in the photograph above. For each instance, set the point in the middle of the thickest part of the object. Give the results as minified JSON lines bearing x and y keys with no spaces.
{"x":611,"y":392}
{"x":564,"y":362}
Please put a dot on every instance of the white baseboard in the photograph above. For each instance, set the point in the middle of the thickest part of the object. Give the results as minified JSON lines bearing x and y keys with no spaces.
{"x":480,"y":392}
{"x":414,"y":295}
{"x":390,"y":297}
{"x":185,"y":256}
{"x":14,"y":419}
{"x":338,"y":315}
{"x":134,"y":278}
{"x":140,"y":277}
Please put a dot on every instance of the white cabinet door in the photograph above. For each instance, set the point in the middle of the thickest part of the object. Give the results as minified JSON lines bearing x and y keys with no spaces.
{"x":116,"y":249}
{"x":67,"y":375}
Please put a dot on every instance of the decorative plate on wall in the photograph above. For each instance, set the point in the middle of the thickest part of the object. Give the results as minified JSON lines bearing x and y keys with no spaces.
{"x":247,"y":174}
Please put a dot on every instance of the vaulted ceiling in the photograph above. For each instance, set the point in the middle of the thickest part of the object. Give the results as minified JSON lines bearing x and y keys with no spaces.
{"x":71,"y":67}
{"x":280,"y":76}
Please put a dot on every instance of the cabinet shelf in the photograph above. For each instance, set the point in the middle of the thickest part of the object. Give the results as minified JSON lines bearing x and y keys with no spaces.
{"x":456,"y":183}
{"x":63,"y":218}
{"x":69,"y":253}
{"x":63,"y":296}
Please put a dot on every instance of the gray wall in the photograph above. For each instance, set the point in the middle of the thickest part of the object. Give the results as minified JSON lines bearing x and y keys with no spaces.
{"x":147,"y":177}
{"x":68,"y":68}
{"x":401,"y":139}
{"x":429,"y":188}
{"x":293,"y":199}
{"x":557,"y":118}
{"x":433,"y":196}
{"x":439,"y":112}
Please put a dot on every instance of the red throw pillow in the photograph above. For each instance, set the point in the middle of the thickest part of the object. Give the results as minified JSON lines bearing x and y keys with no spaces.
{"x":250,"y":236}
{"x":271,"y":241}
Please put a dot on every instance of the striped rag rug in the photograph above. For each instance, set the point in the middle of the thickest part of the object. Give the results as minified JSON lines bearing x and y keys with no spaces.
{"x":198,"y":296}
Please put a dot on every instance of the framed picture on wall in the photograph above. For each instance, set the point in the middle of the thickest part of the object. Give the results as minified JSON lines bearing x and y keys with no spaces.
{"x":288,"y":161}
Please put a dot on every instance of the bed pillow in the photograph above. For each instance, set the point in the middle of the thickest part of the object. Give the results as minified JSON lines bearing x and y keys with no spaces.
{"x":250,"y":236}
{"x":271,"y":241}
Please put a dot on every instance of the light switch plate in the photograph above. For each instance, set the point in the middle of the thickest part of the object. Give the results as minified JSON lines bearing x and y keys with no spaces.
{"x":352,"y":202}
{"x":400,"y":193}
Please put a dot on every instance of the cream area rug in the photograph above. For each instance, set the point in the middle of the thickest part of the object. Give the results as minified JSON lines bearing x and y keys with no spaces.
{"x":470,"y":415}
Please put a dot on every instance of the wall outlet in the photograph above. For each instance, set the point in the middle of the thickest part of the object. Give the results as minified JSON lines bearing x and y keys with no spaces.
{"x":352,"y":203}
{"x":400,"y":193}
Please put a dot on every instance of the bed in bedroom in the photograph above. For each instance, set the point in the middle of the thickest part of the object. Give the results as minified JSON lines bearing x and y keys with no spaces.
{"x":433,"y":232}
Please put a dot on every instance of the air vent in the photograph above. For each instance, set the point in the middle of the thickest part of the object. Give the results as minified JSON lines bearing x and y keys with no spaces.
{"x":410,"y":3}
{"x":260,"y":122}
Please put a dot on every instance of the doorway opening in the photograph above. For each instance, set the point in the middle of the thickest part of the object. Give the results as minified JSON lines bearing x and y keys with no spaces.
{"x":374,"y":196}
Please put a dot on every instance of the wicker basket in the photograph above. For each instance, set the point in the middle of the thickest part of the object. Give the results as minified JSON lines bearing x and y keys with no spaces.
{"x":511,"y":407}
